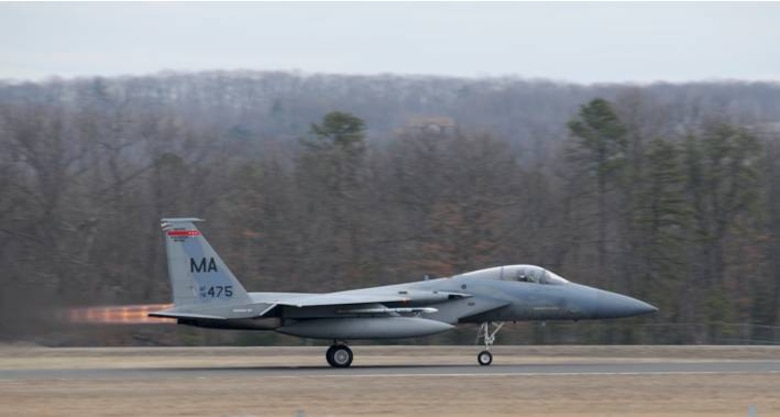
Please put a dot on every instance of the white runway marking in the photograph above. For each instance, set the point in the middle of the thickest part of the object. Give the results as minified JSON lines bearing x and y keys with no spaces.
{"x":515,"y":375}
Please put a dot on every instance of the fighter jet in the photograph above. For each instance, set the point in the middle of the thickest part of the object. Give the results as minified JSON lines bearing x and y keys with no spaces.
{"x":206,"y":294}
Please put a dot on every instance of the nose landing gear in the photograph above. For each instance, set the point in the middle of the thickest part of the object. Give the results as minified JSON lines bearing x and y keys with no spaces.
{"x":485,"y":358}
{"x":489,"y":336}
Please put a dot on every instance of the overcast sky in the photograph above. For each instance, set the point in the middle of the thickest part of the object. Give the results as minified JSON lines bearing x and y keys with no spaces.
{"x":580,"y":42}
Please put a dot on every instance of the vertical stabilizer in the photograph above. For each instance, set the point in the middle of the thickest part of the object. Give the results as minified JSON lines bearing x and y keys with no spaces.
{"x":198,"y":275}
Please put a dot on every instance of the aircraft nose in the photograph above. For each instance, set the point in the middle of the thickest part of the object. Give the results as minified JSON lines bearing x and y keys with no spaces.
{"x":611,"y":305}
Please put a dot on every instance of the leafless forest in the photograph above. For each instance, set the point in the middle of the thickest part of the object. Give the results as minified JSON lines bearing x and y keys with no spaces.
{"x":667,"y":192}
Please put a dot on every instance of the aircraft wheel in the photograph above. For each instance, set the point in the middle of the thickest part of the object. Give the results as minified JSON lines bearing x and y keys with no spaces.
{"x":485,"y":358}
{"x":329,"y":355}
{"x":340,"y":356}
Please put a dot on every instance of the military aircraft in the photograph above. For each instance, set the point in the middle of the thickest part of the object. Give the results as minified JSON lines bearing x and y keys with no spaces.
{"x":207,"y":294}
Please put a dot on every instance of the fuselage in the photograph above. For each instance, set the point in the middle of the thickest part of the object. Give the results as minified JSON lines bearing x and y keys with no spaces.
{"x":505,"y":293}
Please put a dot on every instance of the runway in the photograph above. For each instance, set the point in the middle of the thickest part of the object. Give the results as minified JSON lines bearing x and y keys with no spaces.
{"x":435,"y":381}
{"x":563,"y":369}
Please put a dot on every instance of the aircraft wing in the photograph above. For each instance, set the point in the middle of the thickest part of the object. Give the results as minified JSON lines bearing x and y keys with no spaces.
{"x":399,"y":302}
{"x":337,"y":300}
{"x":353,"y":297}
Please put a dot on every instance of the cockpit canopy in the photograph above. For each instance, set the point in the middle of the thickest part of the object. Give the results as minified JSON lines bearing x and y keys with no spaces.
{"x":522,"y":273}
{"x":531,"y":273}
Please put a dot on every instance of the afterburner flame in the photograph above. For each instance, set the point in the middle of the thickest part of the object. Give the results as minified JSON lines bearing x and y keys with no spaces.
{"x":130,"y":314}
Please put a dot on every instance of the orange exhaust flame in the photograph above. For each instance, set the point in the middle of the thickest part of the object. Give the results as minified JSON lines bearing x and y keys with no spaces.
{"x":131,"y":314}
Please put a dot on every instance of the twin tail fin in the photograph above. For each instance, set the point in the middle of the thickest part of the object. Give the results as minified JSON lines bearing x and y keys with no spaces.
{"x":198,"y":275}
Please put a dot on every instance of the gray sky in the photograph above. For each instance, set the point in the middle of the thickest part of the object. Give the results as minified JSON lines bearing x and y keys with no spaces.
{"x":580,"y":42}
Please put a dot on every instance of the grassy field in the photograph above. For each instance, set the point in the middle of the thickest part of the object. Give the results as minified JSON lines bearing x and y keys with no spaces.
{"x":244,"y":394}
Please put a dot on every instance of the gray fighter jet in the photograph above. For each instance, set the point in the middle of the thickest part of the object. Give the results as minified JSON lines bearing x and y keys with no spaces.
{"x":207,"y":294}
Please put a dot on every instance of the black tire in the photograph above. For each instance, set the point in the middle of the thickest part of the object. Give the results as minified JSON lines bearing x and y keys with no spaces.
{"x":485,"y":358}
{"x":329,"y":355}
{"x":341,"y":357}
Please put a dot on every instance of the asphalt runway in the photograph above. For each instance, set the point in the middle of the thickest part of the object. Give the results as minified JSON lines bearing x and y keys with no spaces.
{"x":564,"y":369}
{"x":405,"y":381}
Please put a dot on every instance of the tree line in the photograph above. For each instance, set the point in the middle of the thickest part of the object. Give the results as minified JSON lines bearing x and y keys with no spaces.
{"x":673,"y":204}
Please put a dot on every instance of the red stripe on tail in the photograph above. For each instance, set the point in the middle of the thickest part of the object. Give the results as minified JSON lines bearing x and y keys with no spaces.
{"x":183,"y":233}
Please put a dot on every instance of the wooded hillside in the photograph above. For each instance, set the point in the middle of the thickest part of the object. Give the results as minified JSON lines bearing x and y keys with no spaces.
{"x":667,"y":192}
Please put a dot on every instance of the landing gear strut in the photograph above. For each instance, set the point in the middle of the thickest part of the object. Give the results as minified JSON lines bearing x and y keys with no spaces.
{"x":339,"y":355}
{"x":489,"y":336}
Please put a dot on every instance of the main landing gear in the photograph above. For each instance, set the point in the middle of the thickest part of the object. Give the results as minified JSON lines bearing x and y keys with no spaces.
{"x":489,"y":336}
{"x":339,"y":355}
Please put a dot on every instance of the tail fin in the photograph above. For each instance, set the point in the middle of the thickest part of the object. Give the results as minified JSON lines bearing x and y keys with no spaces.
{"x":198,"y":275}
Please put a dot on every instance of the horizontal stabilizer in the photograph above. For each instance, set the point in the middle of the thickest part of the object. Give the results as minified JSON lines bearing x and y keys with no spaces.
{"x":179,"y":315}
{"x":218,"y":312}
